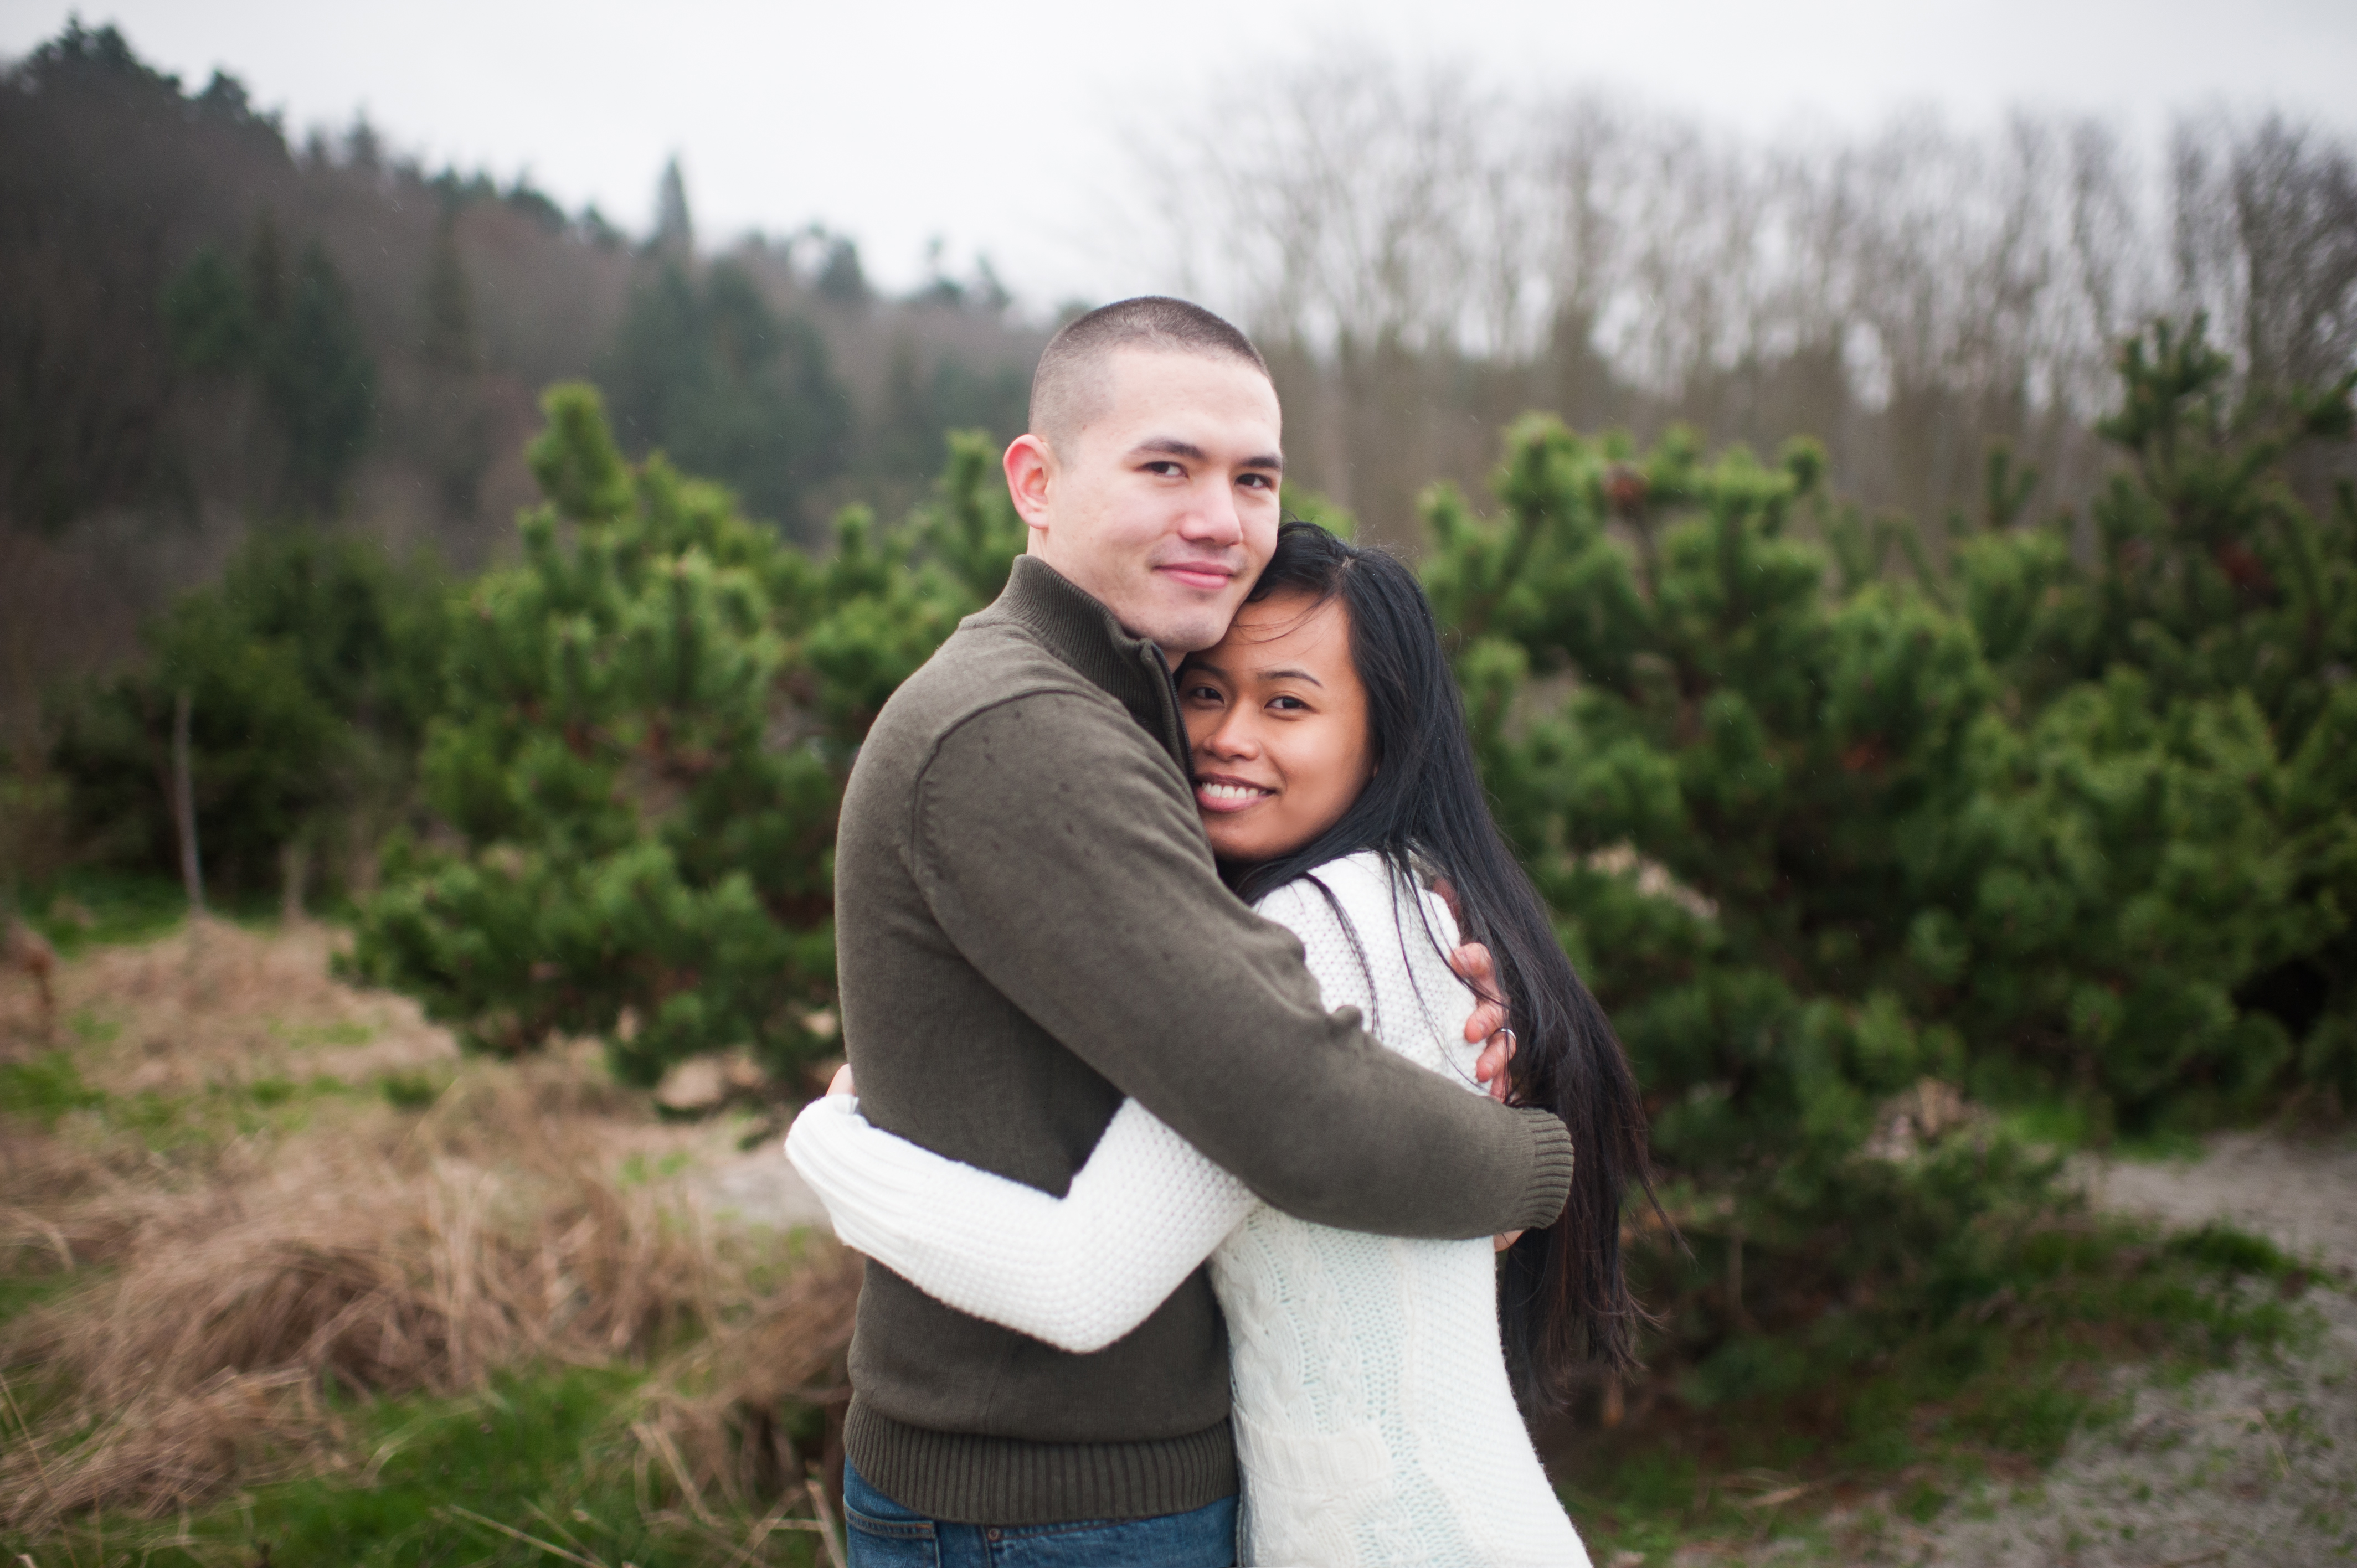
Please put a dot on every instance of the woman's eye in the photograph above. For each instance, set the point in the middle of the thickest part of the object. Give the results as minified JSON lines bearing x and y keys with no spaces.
{"x":1202,"y":694}
{"x":1289,"y":704}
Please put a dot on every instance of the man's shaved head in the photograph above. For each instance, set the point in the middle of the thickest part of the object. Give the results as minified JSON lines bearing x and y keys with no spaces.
{"x":1074,"y":378}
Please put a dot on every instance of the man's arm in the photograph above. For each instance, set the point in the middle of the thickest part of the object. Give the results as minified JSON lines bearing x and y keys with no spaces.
{"x":1060,"y":853}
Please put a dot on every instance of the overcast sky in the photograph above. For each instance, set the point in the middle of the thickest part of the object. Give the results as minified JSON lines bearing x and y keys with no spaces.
{"x":991,"y":125}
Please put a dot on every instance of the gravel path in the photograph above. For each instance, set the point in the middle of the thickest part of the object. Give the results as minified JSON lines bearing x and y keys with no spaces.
{"x":759,"y":1187}
{"x":2253,"y":1465}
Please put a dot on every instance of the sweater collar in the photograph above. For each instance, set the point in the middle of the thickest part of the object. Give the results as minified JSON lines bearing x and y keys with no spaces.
{"x":1075,"y":627}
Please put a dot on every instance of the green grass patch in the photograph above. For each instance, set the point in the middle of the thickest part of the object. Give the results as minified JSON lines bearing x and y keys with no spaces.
{"x":410,"y":1091}
{"x":637,"y":1170}
{"x":46,"y":1088}
{"x":549,"y":1454}
{"x":21,"y":1290}
{"x":342,"y":1033}
{"x":50,"y":1087}
{"x":89,"y":906}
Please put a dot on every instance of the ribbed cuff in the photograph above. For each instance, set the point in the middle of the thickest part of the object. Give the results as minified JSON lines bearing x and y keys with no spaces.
{"x":1551,"y":1160}
{"x":968,"y":1478}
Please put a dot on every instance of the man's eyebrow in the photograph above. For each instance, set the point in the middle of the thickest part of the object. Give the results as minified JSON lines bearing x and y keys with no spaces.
{"x":1171,"y":446}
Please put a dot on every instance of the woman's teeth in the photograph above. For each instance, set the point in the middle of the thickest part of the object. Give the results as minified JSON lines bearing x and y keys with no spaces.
{"x":1232,"y":792}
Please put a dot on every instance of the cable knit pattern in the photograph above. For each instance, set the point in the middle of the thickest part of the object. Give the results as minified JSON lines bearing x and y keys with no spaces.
{"x":1373,"y":1418}
{"x":1078,"y":1271}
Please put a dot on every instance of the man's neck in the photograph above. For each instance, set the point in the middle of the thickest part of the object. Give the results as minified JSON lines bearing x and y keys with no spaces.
{"x":1171,"y":657}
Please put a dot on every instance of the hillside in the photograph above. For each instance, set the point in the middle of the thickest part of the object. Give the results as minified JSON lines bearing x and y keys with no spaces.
{"x":205,"y":324}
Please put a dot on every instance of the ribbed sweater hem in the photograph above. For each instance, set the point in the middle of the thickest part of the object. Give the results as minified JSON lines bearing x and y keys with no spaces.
{"x":1550,"y":1170}
{"x":967,"y":1479}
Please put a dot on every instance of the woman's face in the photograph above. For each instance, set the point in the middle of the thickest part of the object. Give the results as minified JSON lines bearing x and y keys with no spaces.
{"x":1277,"y":721}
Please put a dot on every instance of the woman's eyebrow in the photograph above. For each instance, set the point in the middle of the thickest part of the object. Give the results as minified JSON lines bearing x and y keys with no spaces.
{"x":1288,"y":674}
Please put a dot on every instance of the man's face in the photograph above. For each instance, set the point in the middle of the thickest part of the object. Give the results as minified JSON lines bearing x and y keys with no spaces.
{"x":1163,"y":504}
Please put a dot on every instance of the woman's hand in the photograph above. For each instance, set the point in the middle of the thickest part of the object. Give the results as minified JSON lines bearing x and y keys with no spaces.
{"x":1499,"y":1243}
{"x":841,"y":1083}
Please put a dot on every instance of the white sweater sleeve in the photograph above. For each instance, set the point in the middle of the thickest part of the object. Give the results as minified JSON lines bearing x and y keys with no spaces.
{"x":1078,"y":1271}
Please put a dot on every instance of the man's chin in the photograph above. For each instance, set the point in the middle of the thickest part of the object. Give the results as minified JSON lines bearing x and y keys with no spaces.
{"x":1184,"y":624}
{"x":1189,"y":634}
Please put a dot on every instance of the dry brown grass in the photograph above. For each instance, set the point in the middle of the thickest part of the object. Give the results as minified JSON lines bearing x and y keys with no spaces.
{"x":222,"y":1004}
{"x":213,"y":1294}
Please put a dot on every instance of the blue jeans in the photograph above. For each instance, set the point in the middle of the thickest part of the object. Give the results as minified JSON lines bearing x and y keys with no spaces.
{"x":885,"y":1535}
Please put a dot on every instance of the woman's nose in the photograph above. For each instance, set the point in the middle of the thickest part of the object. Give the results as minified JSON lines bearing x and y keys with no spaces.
{"x":1231,"y":738}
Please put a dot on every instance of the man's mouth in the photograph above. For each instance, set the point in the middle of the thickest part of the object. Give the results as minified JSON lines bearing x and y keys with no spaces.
{"x":1229,"y":794}
{"x":1201,"y":574}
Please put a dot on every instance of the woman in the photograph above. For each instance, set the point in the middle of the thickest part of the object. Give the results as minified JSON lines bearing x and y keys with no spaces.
{"x":1375,"y":1397}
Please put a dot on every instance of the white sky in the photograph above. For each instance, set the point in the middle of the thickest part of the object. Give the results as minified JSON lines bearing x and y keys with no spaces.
{"x":993,"y":126}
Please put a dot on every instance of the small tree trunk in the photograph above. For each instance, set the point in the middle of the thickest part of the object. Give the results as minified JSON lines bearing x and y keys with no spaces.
{"x":295,"y":871}
{"x":184,"y":808}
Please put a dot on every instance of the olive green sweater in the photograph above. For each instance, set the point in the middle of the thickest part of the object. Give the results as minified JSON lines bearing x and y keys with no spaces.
{"x":1029,"y":928}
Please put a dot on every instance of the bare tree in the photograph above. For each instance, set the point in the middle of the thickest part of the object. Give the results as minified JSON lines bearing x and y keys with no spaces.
{"x":1424,"y":257}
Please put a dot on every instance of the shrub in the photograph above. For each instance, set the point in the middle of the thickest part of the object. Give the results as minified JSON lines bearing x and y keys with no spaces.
{"x":1817,"y":833}
{"x":649,"y":722}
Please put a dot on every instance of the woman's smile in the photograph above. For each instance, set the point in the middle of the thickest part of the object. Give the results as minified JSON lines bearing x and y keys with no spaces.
{"x":1220,"y":792}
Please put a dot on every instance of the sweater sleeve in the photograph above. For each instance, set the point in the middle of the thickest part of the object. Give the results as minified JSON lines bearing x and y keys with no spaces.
{"x":1078,"y":1271}
{"x":1059,"y":849}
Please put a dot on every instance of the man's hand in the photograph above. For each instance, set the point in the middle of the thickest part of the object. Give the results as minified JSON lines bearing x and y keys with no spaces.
{"x":1490,"y":1067}
{"x":1476,"y":968}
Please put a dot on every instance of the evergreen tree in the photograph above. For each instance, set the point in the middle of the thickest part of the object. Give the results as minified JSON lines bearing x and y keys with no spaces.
{"x":295,"y":334}
{"x":312,"y":667}
{"x":675,"y":235}
{"x":708,"y":373}
{"x":458,"y":434}
{"x":319,"y":381}
{"x":649,"y":722}
{"x":1812,"y":844}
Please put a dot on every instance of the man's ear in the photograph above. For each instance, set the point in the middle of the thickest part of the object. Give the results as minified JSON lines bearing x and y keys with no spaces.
{"x":1030,"y":473}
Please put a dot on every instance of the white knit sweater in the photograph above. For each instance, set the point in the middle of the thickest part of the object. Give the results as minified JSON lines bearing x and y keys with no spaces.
{"x":1374,"y":1417}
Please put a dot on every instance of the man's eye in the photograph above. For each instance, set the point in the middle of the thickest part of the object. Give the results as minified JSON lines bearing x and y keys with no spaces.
{"x":1166,"y":468}
{"x":1259,"y":481}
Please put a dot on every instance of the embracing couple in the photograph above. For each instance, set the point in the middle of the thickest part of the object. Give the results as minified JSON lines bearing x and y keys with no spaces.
{"x":1168,"y":1146}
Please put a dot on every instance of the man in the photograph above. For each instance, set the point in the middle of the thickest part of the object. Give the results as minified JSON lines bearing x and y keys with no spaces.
{"x":1030,"y":927}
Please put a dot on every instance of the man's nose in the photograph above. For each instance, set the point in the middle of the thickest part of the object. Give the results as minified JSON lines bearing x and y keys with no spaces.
{"x":1215,"y":519}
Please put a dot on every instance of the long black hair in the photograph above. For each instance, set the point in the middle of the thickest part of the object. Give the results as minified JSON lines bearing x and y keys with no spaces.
{"x":1564,"y":1295}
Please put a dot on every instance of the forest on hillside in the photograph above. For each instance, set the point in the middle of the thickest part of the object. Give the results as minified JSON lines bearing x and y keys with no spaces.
{"x":209,"y":324}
